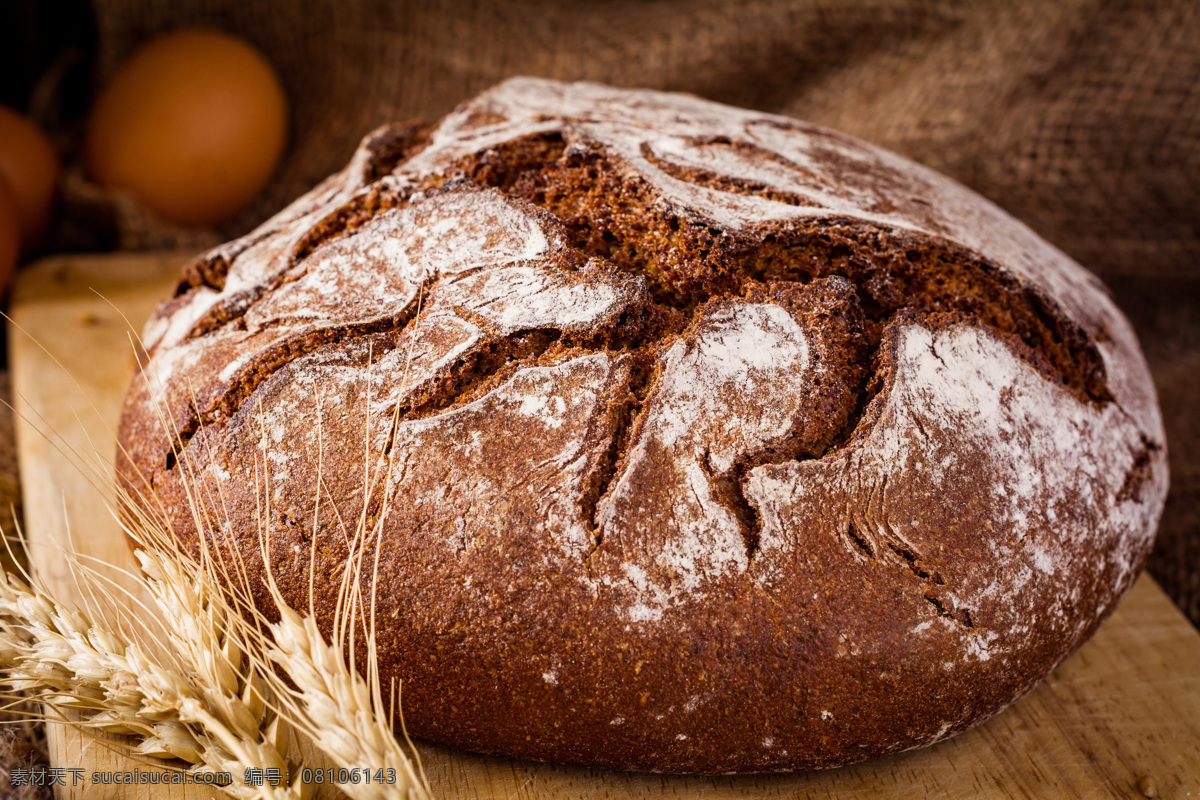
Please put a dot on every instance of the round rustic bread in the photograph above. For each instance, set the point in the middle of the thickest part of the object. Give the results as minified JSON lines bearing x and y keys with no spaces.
{"x":675,"y":436}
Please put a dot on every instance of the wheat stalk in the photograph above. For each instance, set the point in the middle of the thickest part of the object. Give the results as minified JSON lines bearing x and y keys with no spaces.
{"x":231,"y":686}
{"x":72,"y":664}
{"x":221,"y":707}
{"x":344,"y":718}
{"x":201,"y":629}
{"x":221,"y":710}
{"x":316,"y":690}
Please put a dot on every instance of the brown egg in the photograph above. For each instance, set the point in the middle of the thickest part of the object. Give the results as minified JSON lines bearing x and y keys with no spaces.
{"x":29,"y":165}
{"x":10,"y":235}
{"x":192,"y":125}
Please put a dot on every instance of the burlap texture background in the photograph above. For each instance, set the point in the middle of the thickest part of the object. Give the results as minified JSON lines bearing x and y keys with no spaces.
{"x":1081,"y":117}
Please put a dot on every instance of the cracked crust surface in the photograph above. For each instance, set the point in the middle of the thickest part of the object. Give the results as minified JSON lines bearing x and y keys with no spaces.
{"x":690,"y":438}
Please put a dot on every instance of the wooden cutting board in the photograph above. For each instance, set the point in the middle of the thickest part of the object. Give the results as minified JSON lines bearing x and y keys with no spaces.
{"x":1124,"y":709}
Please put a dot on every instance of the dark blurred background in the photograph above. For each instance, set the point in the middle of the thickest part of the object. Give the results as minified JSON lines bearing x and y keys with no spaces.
{"x":42,"y":38}
{"x":1080,"y":117}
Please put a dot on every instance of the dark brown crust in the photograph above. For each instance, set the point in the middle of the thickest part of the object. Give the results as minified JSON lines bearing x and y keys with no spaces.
{"x":532,"y":596}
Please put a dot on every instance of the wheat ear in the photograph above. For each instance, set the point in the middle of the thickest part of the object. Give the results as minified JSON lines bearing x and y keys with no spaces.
{"x":64,"y":659}
{"x":215,"y":701}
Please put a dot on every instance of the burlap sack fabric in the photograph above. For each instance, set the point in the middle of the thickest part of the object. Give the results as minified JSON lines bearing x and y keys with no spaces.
{"x":1081,"y":117}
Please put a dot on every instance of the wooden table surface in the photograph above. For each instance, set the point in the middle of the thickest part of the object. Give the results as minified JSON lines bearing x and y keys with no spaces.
{"x":1124,"y":709}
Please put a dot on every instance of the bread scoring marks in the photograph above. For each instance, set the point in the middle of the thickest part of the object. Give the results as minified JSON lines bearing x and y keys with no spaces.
{"x":370,"y":274}
{"x":436,"y":340}
{"x":522,"y":451}
{"x":976,"y":449}
{"x":738,"y":169}
{"x":465,"y":311}
{"x":662,"y":520}
{"x":653,"y":132}
{"x":786,"y":169}
{"x":381,"y":264}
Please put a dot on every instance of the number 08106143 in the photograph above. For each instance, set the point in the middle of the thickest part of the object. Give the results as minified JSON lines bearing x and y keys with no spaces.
{"x":351,"y":775}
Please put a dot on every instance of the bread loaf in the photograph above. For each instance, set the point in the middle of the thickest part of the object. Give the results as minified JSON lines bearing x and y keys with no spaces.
{"x":665,"y":435}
